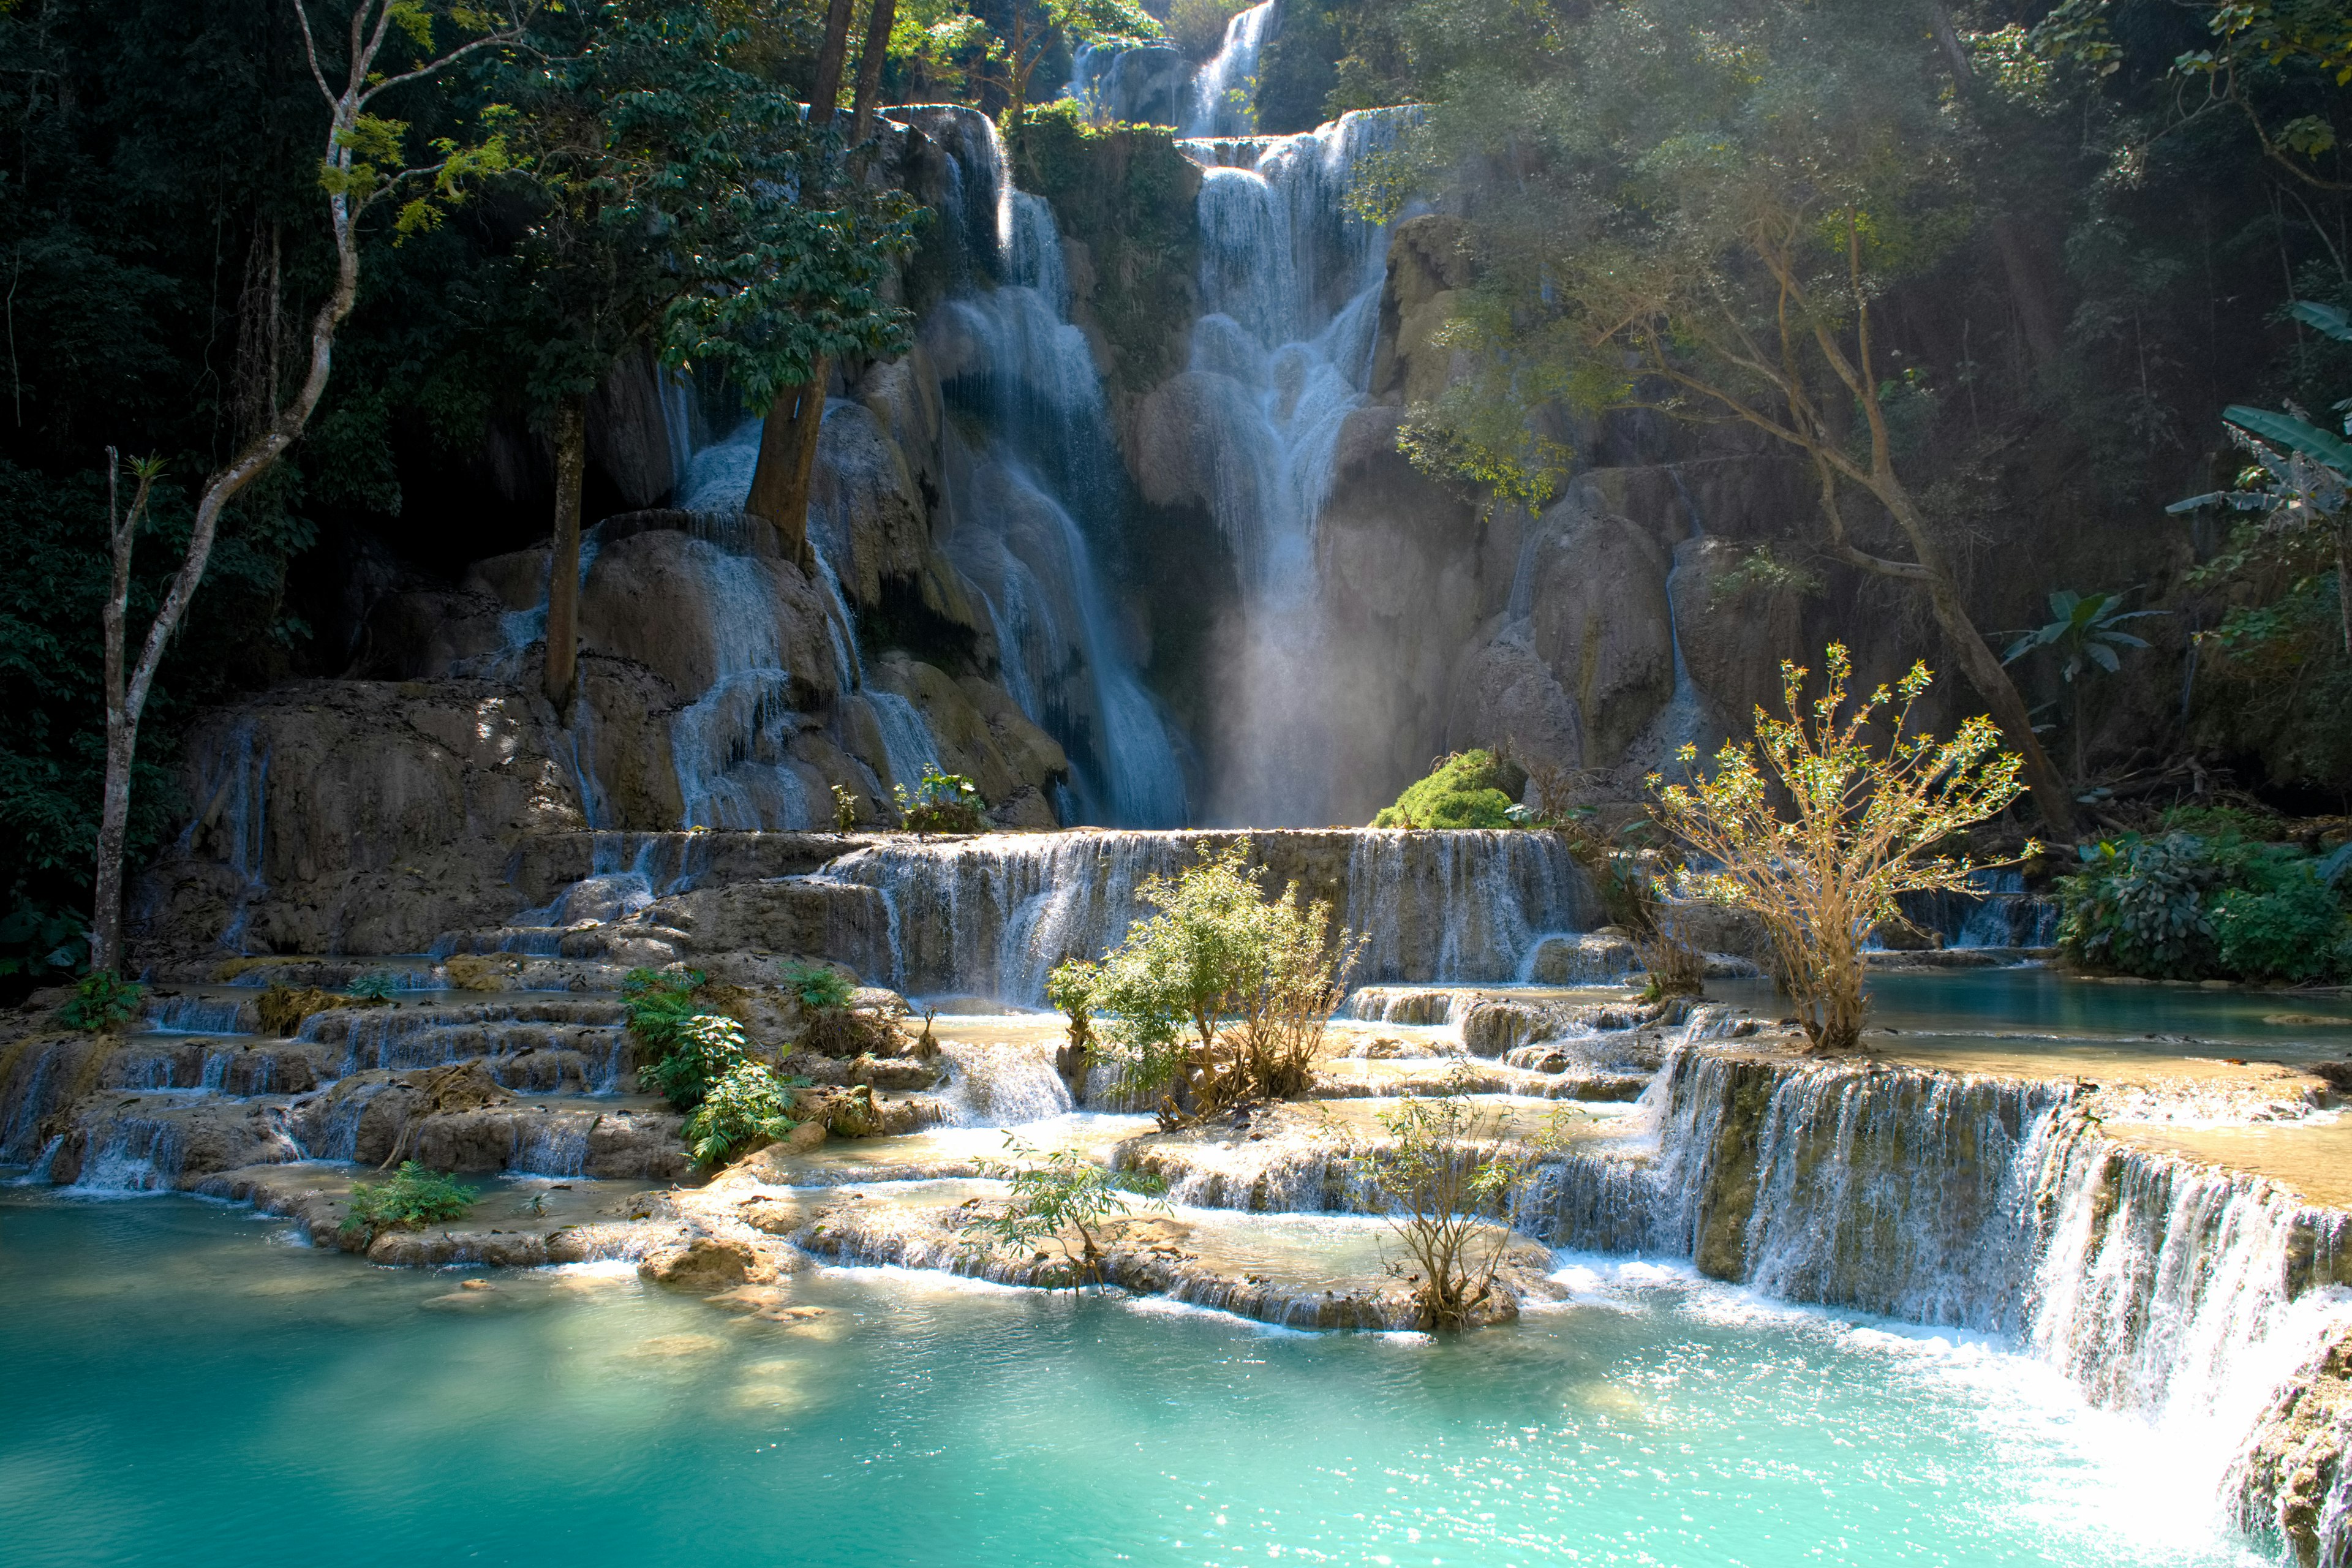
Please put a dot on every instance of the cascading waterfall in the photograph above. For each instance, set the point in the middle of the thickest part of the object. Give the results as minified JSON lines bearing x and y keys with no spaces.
{"x":1036,"y":490}
{"x":1290,"y":282}
{"x":1225,"y":95}
{"x":991,"y":916}
{"x":1002,"y":1084}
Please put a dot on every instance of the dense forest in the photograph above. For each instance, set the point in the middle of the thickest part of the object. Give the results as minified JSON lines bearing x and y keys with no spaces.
{"x":2072,"y":235}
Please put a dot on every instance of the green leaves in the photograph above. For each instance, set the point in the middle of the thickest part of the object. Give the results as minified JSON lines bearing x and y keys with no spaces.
{"x":2082,"y":628}
{"x":749,"y":1102}
{"x":414,"y":1196}
{"x":1058,"y":1195}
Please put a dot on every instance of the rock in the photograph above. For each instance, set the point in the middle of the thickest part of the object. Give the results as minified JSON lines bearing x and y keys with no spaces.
{"x":628,"y":438}
{"x":705,"y":1263}
{"x":1581,"y":960}
{"x":1504,"y":691}
{"x":1733,"y":645}
{"x":2295,"y":1460}
{"x":1428,"y":265}
{"x":1599,"y":624}
{"x":658,"y":597}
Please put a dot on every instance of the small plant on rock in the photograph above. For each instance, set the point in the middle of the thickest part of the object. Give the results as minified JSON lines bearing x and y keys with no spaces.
{"x":705,"y":1047}
{"x":1449,"y":1171}
{"x":818,"y":985}
{"x":751,"y":1103}
{"x":1631,"y":882}
{"x":409,"y":1198}
{"x":657,"y":1005}
{"x":943,"y":803}
{"x":102,"y":1002}
{"x":844,"y":810}
{"x":372,"y":990}
{"x":1058,"y":1195}
{"x":1819,"y":833}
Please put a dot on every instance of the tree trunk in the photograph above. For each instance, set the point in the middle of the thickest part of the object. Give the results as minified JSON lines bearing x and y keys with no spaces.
{"x":869,"y":69}
{"x":121,"y":741}
{"x":2051,"y":799}
{"x":2344,"y":583}
{"x":563,"y":564}
{"x":825,"y":96}
{"x":788,"y":442}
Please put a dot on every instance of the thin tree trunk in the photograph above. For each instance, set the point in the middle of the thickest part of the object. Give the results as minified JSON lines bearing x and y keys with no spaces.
{"x":825,"y":97}
{"x":563,"y":564}
{"x":788,"y":443}
{"x":121,"y":731}
{"x":2344,"y":583}
{"x":372,"y":25}
{"x":869,"y":69}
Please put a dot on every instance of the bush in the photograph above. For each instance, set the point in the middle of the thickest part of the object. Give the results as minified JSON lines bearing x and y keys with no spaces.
{"x":750,"y":1103}
{"x":412,"y":1197}
{"x":373,"y":989}
{"x":705,"y":1047}
{"x":1468,"y":789}
{"x":2295,"y":932}
{"x":1821,"y":835}
{"x":1220,"y":998}
{"x":657,"y":1005}
{"x":945,"y":803}
{"x":101,"y":1002}
{"x":818,"y":985}
{"x":1058,"y":1195}
{"x":2138,"y":906}
{"x":1445,"y":1172}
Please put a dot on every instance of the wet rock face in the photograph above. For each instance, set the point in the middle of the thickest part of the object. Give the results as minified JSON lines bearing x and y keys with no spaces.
{"x":351,"y":816}
{"x":2295,"y":1474}
{"x":1599,"y":623}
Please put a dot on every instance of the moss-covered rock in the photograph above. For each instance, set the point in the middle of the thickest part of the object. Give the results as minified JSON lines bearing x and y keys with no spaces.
{"x":1468,"y":789}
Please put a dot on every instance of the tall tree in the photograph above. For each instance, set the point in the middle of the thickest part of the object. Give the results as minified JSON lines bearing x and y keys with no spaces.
{"x":1726,"y":195}
{"x":387,"y":46}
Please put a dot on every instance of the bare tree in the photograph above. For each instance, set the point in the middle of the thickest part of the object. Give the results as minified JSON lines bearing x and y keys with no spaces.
{"x":364,"y":165}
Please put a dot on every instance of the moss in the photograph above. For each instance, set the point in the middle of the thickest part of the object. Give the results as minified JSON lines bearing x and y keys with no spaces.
{"x":1468,"y":789}
{"x":1125,"y":194}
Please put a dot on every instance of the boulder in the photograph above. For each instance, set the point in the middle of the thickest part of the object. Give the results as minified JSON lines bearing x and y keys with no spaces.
{"x":1733,"y":643}
{"x":1599,"y":622}
{"x":1428,"y":264}
{"x":1504,"y":692}
{"x":693,"y":612}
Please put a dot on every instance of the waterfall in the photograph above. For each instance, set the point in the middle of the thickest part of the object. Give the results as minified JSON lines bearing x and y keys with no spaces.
{"x":2181,"y":1295}
{"x":1996,"y":911}
{"x":1036,"y":493}
{"x":235,"y":770}
{"x":1225,"y":95}
{"x":991,"y":916}
{"x":1004,"y":1085}
{"x":1290,"y":284}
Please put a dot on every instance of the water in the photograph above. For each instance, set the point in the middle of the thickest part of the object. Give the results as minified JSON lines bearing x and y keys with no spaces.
{"x":388,"y":1418}
{"x":1225,"y":95}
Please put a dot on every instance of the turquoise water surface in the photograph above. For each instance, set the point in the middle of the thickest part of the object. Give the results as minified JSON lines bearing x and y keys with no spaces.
{"x":186,"y":1386}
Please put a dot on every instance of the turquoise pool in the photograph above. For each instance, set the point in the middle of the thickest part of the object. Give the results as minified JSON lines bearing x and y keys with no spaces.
{"x":185,"y":1386}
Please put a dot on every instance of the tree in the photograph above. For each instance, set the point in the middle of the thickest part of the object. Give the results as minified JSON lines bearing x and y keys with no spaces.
{"x":788,"y":264}
{"x":1819,"y":833}
{"x":1222,"y":996}
{"x":1733,"y":196}
{"x":1449,"y":1170}
{"x":390,"y":45}
{"x":1034,"y":28}
{"x":1058,"y":1195}
{"x":2083,"y":632}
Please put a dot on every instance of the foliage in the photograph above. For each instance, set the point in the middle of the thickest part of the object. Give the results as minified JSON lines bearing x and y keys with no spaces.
{"x":705,"y":1048}
{"x":844,"y":810}
{"x":1447,"y":1171}
{"x":749,"y":1103}
{"x":35,"y":942}
{"x":1464,"y":790}
{"x":1197,"y":27}
{"x":2138,"y":905}
{"x":2183,"y":906}
{"x":1070,"y":987}
{"x":411,"y":1197}
{"x":818,"y":985}
{"x":102,"y":1003}
{"x":1223,"y":995}
{"x":657,"y":1005}
{"x":2085,"y":629}
{"x":1762,"y":572}
{"x":377,"y":987}
{"x":1058,"y":1195}
{"x":1819,"y":832}
{"x":943,"y":803}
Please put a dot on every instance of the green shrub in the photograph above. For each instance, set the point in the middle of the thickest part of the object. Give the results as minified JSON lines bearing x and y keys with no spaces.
{"x":1058,"y":1195}
{"x":411,"y":1197}
{"x":2292,"y":929}
{"x":373,"y":988}
{"x":702,"y":1051}
{"x":102,"y":1002}
{"x":818,"y":985}
{"x":2138,"y":907}
{"x":749,"y":1103}
{"x":657,"y":1005}
{"x":1468,"y":789}
{"x":944,"y":803}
